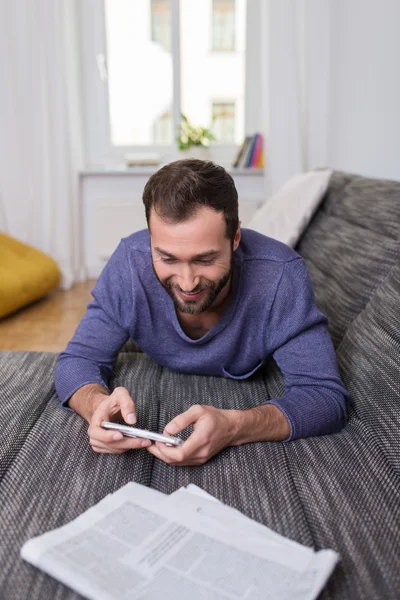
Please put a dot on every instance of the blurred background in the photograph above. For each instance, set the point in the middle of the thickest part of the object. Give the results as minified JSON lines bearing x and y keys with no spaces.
{"x":93,"y":95}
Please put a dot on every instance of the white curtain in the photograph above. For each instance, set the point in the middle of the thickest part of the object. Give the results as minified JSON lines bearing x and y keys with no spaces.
{"x":40,"y":145}
{"x":295,"y":57}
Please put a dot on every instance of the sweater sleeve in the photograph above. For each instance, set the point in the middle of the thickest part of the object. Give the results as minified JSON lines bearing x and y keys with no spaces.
{"x":91,"y":353}
{"x":315,"y":399}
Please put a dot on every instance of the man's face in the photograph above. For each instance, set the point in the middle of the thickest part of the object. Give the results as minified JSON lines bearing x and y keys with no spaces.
{"x":193,"y":259}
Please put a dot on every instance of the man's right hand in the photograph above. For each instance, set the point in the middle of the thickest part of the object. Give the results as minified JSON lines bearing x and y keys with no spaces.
{"x":111,"y":408}
{"x":94,"y":404}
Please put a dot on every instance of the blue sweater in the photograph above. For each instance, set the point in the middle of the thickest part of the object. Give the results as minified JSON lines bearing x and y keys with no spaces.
{"x":271,"y":311}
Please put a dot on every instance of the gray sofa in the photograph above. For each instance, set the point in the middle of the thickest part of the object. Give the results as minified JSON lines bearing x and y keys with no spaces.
{"x":339,"y":491}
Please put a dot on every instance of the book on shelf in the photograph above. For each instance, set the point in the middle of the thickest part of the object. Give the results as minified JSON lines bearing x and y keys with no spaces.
{"x":257,"y":149}
{"x":140,"y":543}
{"x":251,"y":153}
{"x":239,"y":155}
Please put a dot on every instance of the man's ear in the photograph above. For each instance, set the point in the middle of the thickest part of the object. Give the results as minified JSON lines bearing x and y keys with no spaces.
{"x":236,"y":239}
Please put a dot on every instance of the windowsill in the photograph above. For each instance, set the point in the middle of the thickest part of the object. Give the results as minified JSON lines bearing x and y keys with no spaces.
{"x":140,"y":171}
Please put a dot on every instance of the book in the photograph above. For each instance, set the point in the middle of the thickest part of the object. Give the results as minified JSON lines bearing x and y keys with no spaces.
{"x":138,"y":543}
{"x":257,"y":150}
{"x":260,"y":161}
{"x":246,"y":152}
{"x":251,"y":151}
{"x":240,"y":152}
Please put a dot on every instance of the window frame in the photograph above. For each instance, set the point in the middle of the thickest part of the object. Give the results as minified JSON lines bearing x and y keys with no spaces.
{"x":92,"y":44}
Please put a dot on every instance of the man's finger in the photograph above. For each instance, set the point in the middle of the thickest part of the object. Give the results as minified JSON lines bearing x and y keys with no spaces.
{"x":126,"y":443}
{"x":127,"y":405}
{"x":155,"y":452}
{"x":166,"y":453}
{"x":183,"y":420}
{"x":103,"y":412}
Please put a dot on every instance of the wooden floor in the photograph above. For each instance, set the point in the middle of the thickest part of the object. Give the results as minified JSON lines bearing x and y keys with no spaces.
{"x":48,"y":324}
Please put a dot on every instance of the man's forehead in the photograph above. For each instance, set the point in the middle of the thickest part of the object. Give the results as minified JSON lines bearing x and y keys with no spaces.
{"x":205,"y":230}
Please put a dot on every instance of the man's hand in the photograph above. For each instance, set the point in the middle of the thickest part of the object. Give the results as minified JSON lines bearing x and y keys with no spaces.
{"x":213,"y":430}
{"x":111,"y":408}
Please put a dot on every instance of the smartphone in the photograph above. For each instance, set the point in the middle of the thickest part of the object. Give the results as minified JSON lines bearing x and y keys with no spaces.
{"x":129,"y":431}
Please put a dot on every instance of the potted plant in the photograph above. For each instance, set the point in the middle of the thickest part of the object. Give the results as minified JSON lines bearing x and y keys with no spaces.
{"x":194,"y":141}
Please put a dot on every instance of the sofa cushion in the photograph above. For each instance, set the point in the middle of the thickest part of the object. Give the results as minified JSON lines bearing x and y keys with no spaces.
{"x":336,"y":491}
{"x":339,"y":491}
{"x":369,"y":361}
{"x":26,"y":274}
{"x":287,"y":214}
{"x":351,"y":245}
{"x":49,"y":473}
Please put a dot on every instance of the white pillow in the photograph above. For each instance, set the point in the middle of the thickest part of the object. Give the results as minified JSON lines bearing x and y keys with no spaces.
{"x":287,"y":214}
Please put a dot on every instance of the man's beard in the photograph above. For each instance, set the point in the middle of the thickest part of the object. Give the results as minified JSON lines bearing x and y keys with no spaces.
{"x":194,"y":307}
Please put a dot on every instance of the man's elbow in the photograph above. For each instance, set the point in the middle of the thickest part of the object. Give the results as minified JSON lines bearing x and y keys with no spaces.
{"x":316,"y":411}
{"x":337,"y":413}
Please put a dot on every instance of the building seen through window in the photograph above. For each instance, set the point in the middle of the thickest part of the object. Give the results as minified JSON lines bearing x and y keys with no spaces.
{"x":141,"y":64}
{"x":163,"y":129}
{"x":224,"y":122}
{"x":223,"y":25}
{"x":161,"y":23}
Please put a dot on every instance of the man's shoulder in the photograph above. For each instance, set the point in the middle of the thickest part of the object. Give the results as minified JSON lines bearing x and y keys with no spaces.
{"x":139,"y":241}
{"x":256,"y":246}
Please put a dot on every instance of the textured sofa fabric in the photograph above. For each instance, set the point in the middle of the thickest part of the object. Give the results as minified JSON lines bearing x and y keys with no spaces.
{"x":351,"y":245}
{"x":340,"y":491}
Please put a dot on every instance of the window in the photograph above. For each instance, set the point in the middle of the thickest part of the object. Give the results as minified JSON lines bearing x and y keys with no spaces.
{"x":139,"y":69}
{"x":205,"y":75}
{"x":144,"y":62}
{"x":161,"y":23}
{"x":162,"y":129}
{"x":223,"y":25}
{"x":224,"y":121}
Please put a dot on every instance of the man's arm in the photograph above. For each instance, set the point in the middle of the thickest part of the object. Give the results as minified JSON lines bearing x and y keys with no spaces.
{"x":315,"y":398}
{"x":260,"y":424}
{"x":87,"y":399}
{"x":215,"y":429}
{"x":91,"y":353}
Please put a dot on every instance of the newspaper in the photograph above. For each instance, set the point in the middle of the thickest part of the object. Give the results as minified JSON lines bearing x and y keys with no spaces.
{"x":139,"y":543}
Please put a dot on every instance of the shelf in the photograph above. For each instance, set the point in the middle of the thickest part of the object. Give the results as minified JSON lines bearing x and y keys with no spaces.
{"x":142,"y":171}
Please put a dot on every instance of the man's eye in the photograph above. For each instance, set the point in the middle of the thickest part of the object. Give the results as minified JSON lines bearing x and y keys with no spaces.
{"x":209,"y":261}
{"x":169,"y":261}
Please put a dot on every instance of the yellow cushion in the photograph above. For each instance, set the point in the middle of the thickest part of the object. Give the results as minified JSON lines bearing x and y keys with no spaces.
{"x":26,"y":274}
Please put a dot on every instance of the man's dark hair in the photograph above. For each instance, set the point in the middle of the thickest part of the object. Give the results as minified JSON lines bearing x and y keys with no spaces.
{"x":178,"y":190}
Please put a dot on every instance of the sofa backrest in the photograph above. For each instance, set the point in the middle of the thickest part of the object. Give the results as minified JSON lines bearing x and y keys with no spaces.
{"x":351,"y":245}
{"x":369,"y":362}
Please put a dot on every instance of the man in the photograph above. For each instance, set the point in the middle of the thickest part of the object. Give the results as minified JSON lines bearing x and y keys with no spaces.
{"x":201,"y":296}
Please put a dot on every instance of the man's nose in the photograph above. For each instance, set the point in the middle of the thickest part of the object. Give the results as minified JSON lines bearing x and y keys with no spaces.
{"x":187,"y":278}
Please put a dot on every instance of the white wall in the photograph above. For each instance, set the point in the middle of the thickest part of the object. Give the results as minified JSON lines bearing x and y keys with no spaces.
{"x":112,"y":208}
{"x":364,"y":122}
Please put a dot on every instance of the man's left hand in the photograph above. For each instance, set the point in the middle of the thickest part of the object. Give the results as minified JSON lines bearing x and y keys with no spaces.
{"x":213,"y":430}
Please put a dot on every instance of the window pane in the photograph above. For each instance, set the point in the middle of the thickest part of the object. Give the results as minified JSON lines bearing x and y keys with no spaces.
{"x":162,"y":132}
{"x":223,"y":25}
{"x":213,"y":82}
{"x":224,"y":121}
{"x":161,"y":23}
{"x":139,"y":71}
